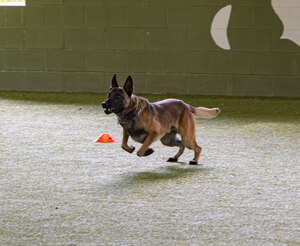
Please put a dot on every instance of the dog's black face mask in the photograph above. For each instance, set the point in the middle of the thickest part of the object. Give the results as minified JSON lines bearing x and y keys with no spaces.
{"x":118,"y":97}
{"x":114,"y":102}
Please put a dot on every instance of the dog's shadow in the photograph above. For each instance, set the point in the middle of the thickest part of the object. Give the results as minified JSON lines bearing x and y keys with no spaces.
{"x":162,"y":174}
{"x":166,"y":173}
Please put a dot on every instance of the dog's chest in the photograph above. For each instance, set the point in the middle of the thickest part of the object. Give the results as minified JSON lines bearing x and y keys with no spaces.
{"x":129,"y":123}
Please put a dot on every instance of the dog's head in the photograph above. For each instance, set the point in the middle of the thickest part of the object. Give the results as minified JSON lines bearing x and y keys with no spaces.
{"x":118,"y":98}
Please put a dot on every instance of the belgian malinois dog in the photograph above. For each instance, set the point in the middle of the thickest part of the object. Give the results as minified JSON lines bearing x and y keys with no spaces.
{"x":147,"y":122}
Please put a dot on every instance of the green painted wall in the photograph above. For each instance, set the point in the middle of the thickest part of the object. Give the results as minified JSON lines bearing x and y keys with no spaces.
{"x":166,"y":45}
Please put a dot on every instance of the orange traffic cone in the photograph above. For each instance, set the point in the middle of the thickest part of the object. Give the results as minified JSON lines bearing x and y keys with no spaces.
{"x":105,"y":138}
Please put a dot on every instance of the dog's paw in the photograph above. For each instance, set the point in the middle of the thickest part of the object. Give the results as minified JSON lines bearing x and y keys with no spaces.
{"x":172,"y":159}
{"x":147,"y":152}
{"x":129,"y":149}
{"x":193,"y":162}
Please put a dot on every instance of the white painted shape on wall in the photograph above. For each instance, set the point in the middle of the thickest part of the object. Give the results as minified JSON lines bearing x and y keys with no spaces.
{"x":219,"y":27}
{"x":289,"y":13}
{"x":17,"y":3}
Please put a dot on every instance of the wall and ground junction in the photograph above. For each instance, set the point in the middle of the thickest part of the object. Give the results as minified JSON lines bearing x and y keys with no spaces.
{"x":202,"y":47}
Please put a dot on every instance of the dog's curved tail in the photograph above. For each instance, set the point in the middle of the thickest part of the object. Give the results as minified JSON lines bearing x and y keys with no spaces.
{"x":206,"y":113}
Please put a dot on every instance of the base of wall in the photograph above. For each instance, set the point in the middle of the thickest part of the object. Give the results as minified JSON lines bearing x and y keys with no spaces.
{"x":201,"y":84}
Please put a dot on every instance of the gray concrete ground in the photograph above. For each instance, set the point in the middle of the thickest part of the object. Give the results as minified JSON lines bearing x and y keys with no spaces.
{"x":58,"y":187}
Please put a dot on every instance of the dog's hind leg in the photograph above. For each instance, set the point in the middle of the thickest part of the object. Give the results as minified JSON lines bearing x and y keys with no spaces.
{"x":178,"y":154}
{"x":192,"y":144}
{"x":197,"y":150}
{"x":171,"y":140}
{"x":188,"y":136}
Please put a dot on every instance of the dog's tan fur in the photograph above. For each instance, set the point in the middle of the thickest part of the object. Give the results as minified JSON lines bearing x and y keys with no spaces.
{"x":147,"y":122}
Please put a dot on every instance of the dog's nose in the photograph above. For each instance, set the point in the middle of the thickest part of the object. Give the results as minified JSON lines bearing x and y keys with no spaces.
{"x":104,"y":105}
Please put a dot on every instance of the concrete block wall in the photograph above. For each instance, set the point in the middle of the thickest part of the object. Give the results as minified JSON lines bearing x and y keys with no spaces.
{"x":77,"y":45}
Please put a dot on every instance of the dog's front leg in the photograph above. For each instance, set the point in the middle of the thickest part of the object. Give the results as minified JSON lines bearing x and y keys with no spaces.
{"x":144,"y":150}
{"x":125,"y":146}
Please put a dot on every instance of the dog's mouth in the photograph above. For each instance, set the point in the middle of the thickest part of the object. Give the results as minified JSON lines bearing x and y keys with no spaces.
{"x":108,"y":110}
{"x":113,"y":110}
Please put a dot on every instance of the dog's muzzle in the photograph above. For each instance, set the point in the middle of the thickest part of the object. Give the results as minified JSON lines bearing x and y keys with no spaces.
{"x":107,"y":110}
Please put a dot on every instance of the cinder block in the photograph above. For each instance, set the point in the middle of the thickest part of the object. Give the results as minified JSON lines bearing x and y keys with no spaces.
{"x":2,"y":60}
{"x":208,"y":84}
{"x":1,"y":16}
{"x":24,"y":59}
{"x":274,"y":63}
{"x":240,"y":63}
{"x":12,"y":81}
{"x":105,"y":61}
{"x":165,"y":39}
{"x":146,"y":17}
{"x":13,"y":17}
{"x":84,"y":38}
{"x":198,"y":17}
{"x":188,"y":62}
{"x":219,"y":62}
{"x":34,"y":16}
{"x":64,"y":60}
{"x":177,"y":17}
{"x":146,"y":61}
{"x":44,"y":38}
{"x":166,"y":3}
{"x":166,"y":83}
{"x":240,"y":17}
{"x":177,"y":62}
{"x":207,"y":2}
{"x":298,"y":65}
{"x":250,"y":40}
{"x":128,"y":3}
{"x":264,"y":17}
{"x":124,"y":38}
{"x":283,"y":45}
{"x":156,"y":39}
{"x":11,"y":38}
{"x":249,"y":3}
{"x":200,"y":39}
{"x":64,"y":16}
{"x":84,"y":2}
{"x":95,"y":16}
{"x":230,"y":63}
{"x":251,"y":85}
{"x":84,"y":82}
{"x":198,"y":62}
{"x":177,"y":39}
{"x":286,"y":86}
{"x":45,"y":81}
{"x":44,"y":2}
{"x":105,"y":17}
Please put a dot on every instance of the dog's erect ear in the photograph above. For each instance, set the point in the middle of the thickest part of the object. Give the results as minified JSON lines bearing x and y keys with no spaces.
{"x":128,"y":86}
{"x":114,"y":82}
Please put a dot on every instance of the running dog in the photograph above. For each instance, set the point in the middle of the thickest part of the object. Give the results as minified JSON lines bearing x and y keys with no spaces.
{"x":147,"y":122}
